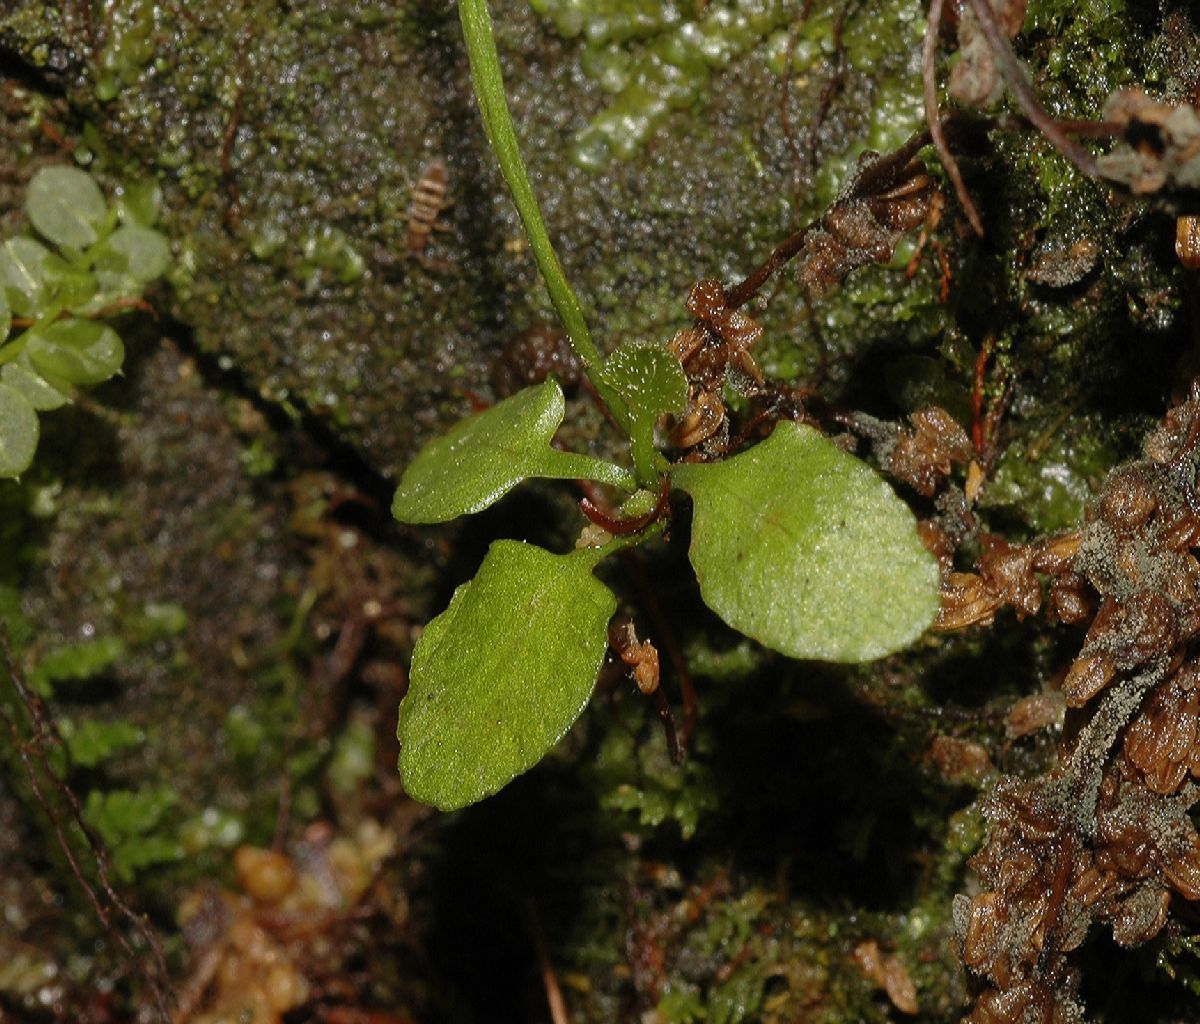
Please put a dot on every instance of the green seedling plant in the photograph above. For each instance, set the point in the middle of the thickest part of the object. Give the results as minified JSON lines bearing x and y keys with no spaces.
{"x":85,"y":260}
{"x":795,"y":543}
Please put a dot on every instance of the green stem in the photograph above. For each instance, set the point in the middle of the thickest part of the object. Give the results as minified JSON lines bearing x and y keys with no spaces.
{"x":10,"y":351}
{"x":498,"y":123}
{"x":577,"y":466}
{"x":596,"y":555}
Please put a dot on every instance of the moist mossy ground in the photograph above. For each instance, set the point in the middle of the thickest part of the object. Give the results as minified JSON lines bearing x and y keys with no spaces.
{"x":239,"y":474}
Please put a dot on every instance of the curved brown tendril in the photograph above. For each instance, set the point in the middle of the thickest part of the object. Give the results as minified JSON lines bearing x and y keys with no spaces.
{"x":1014,"y":76}
{"x":933,"y":118}
{"x":621,"y":527}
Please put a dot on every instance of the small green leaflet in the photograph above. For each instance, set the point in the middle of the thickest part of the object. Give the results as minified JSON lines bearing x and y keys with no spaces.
{"x":133,"y":252}
{"x":35,"y":389}
{"x":488,"y":454}
{"x":18,"y":432}
{"x":139,"y":202}
{"x":651,"y":381}
{"x":502,"y":673}
{"x":90,"y":742}
{"x":23,"y":274}
{"x":76,"y":351}
{"x":802,"y":547}
{"x":66,"y":206}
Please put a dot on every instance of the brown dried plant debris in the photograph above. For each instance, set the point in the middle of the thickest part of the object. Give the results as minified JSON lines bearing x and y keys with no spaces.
{"x":532,"y":355}
{"x":1161,"y":143}
{"x":259,"y":955}
{"x":925,"y":453}
{"x":976,"y":80}
{"x":1105,"y":836}
{"x":889,"y":973}
{"x":719,"y":341}
{"x":872,"y":213}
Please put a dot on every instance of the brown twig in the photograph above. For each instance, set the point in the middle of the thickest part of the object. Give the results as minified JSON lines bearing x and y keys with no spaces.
{"x":871,"y":179}
{"x":1014,"y":76}
{"x":784,"y":251}
{"x":155,"y":973}
{"x":980,"y":375}
{"x":554,"y":996}
{"x":933,"y":118}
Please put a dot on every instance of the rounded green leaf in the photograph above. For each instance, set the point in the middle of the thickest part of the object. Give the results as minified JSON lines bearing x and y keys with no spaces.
{"x":804,"y":548}
{"x":35,"y":389}
{"x":5,"y":317}
{"x":18,"y":432}
{"x":649,"y":378}
{"x":488,"y":454}
{"x":650,"y":381}
{"x":502,"y":673}
{"x":66,"y":206}
{"x":23,"y":274}
{"x":131,"y":257}
{"x":139,"y":202}
{"x":66,"y":283}
{"x":76,"y":351}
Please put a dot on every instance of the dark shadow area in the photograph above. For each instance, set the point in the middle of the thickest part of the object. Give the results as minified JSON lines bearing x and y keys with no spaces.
{"x":527,"y":851}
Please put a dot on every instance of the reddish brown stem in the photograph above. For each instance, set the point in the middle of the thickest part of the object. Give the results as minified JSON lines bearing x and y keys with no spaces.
{"x":933,"y":118}
{"x":622,"y":527}
{"x":668,"y":721}
{"x":981,"y":361}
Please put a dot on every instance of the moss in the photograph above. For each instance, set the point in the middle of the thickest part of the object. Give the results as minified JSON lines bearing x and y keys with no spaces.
{"x":809,"y":792}
{"x":1050,"y":482}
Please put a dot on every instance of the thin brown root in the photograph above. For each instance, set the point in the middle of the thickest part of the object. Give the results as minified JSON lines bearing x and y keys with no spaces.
{"x":934,"y":118}
{"x":154,"y":970}
{"x":554,"y":996}
{"x":1014,"y":76}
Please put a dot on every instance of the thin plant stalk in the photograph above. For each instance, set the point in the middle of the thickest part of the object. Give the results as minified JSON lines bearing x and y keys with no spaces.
{"x":498,"y":123}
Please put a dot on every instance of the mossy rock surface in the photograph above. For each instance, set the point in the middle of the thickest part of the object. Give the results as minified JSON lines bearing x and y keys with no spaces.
{"x":287,"y":141}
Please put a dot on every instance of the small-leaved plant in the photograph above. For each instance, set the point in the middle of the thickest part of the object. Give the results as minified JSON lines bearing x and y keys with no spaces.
{"x":794,"y":542}
{"x":85,"y":260}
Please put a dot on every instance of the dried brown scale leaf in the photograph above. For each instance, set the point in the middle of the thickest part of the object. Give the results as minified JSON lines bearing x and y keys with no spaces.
{"x":1162,"y":143}
{"x":925,"y":453}
{"x":1060,"y":263}
{"x":1007,"y":571}
{"x":960,"y":760}
{"x":1163,"y":743}
{"x":1123,"y":636}
{"x":1182,"y":869}
{"x":1141,"y":916}
{"x":889,"y":973}
{"x":1033,"y":713}
{"x":1071,"y":599}
{"x":641,"y":657}
{"x":975,"y":81}
{"x":965,"y":601}
{"x":937,"y":542}
{"x":867,"y":220}
{"x":1056,"y":554}
{"x":717,"y":343}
